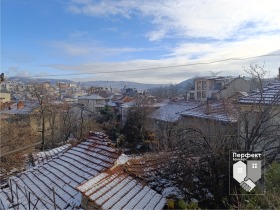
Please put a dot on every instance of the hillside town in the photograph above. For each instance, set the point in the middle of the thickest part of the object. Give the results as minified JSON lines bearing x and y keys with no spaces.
{"x":67,"y":146}
{"x":139,"y":104}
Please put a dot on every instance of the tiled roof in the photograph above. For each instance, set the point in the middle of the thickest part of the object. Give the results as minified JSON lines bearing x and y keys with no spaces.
{"x":116,"y":189}
{"x":221,"y":111}
{"x":45,"y":156}
{"x":155,"y":169}
{"x":27,"y":109}
{"x":62,"y":174}
{"x":170,"y":112}
{"x":269,"y":95}
{"x":126,"y":99}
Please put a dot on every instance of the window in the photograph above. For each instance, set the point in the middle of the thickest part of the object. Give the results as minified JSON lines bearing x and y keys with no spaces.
{"x":218,"y":86}
{"x":191,"y":95}
{"x":198,"y":95}
{"x":199,"y":85}
{"x":203,"y":85}
{"x":203,"y":94}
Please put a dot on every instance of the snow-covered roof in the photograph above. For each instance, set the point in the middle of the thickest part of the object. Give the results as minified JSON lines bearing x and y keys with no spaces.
{"x":170,"y":112}
{"x":269,"y":95}
{"x":116,"y":189}
{"x":26,"y":109}
{"x":45,"y":156}
{"x":91,"y":97}
{"x":213,"y":78}
{"x":60,"y":176}
{"x":223,"y":110}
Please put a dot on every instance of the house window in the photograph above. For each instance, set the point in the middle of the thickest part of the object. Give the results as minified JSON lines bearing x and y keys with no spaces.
{"x":199,"y":85}
{"x":203,"y":85}
{"x":191,"y":95}
{"x":203,"y":94}
{"x":218,"y":86}
{"x":198,"y":95}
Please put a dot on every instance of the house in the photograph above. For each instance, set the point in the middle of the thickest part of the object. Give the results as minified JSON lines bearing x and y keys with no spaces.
{"x":62,"y":85}
{"x":5,"y":97}
{"x":216,"y":88}
{"x":261,"y":118}
{"x":92,"y":102}
{"x":132,"y":92}
{"x":52,"y":184}
{"x":212,"y":118}
{"x":168,"y":114}
{"x":91,"y":174}
{"x":21,"y":110}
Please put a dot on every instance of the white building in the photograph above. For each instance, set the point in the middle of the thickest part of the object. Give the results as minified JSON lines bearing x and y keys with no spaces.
{"x":92,"y":102}
{"x":217,"y":88}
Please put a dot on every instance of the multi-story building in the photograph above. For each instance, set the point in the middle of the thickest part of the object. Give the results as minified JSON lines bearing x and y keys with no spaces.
{"x":92,"y":102}
{"x":5,"y":97}
{"x":216,"y":88}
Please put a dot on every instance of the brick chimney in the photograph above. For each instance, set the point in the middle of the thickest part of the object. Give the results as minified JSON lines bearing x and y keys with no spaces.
{"x":279,"y":73}
{"x":20,"y":105}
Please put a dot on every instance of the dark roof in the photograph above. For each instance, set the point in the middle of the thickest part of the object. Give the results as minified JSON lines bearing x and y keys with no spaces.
{"x":269,"y":95}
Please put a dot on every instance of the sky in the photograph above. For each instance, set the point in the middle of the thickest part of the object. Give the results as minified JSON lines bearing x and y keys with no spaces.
{"x":127,"y":40}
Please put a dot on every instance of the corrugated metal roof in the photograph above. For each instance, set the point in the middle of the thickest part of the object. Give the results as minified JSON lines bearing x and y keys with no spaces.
{"x":63,"y":174}
{"x":221,"y":111}
{"x":116,"y":189}
{"x":269,"y":95}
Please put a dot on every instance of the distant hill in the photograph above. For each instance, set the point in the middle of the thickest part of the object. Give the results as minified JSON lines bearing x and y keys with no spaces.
{"x":39,"y":80}
{"x":112,"y":84}
{"x":185,"y":83}
{"x":121,"y":84}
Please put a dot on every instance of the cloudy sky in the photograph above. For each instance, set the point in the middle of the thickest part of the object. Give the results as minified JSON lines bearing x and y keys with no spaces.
{"x":129,"y":39}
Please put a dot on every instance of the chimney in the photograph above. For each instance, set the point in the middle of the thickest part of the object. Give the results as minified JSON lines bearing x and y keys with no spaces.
{"x":279,"y":73}
{"x":20,"y":105}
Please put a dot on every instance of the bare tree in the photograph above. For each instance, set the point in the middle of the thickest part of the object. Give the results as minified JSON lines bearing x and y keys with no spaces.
{"x":260,"y":116}
{"x":15,"y":133}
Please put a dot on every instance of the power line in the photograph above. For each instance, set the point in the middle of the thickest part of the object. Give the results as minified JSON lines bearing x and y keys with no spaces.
{"x":160,"y":67}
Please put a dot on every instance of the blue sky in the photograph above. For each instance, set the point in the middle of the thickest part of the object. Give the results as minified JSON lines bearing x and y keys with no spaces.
{"x":46,"y":37}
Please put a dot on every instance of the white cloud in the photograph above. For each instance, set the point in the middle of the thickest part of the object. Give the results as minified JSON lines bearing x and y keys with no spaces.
{"x":258,"y":45}
{"x":124,"y":71}
{"x":219,"y":19}
{"x":90,"y":48}
{"x":208,"y":30}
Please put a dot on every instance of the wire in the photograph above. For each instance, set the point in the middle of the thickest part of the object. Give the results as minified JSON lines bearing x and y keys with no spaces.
{"x":160,"y":67}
